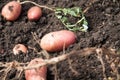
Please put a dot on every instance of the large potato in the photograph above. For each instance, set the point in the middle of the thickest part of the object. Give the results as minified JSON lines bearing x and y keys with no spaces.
{"x":56,"y":41}
{"x":11,"y":10}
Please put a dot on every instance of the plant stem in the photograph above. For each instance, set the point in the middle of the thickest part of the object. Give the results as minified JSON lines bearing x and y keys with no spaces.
{"x":42,"y":6}
{"x":79,"y":21}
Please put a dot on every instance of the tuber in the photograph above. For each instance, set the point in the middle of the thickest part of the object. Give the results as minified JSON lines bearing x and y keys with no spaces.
{"x":11,"y":11}
{"x":34,"y":13}
{"x":56,"y":41}
{"x":18,"y":48}
{"x":38,"y":73}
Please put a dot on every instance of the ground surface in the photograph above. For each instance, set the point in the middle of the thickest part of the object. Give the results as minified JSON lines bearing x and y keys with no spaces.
{"x":104,"y":31}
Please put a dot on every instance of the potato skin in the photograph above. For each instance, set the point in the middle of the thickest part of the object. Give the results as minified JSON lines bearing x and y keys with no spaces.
{"x":38,"y":73}
{"x":34,"y":13}
{"x":56,"y":41}
{"x":11,"y":10}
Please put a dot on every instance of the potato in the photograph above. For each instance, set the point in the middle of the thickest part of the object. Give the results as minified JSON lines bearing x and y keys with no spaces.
{"x":38,"y":73}
{"x":19,"y":47}
{"x":56,"y":41}
{"x":34,"y":13}
{"x":11,"y":10}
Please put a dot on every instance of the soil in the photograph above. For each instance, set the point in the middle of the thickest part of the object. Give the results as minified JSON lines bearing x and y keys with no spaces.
{"x":103,"y":17}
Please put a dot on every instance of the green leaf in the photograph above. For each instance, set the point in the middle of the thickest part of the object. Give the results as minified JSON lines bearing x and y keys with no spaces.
{"x":59,"y":16}
{"x":76,"y":12}
{"x":58,"y":9}
{"x":73,"y":13}
{"x":64,"y":19}
{"x":65,"y":11}
{"x":57,"y":12}
{"x":85,"y":27}
{"x":70,"y":26}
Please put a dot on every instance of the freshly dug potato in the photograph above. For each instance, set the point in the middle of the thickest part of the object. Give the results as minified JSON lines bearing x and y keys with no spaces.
{"x":19,"y":47}
{"x":34,"y":13}
{"x":11,"y":10}
{"x":56,"y":41}
{"x":38,"y":73}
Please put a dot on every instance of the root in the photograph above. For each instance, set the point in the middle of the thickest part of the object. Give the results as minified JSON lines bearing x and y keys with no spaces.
{"x":56,"y":72}
{"x":20,"y":75}
{"x":90,"y":4}
{"x":35,"y":37}
{"x":99,"y":56}
{"x":53,"y":61}
{"x":42,"y":6}
{"x":72,"y":69}
{"x":83,"y":52}
{"x":9,"y":67}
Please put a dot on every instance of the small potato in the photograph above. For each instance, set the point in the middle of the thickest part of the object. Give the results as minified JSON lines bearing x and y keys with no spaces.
{"x":11,"y":10}
{"x":18,"y":48}
{"x":34,"y":13}
{"x":56,"y":41}
{"x":38,"y":73}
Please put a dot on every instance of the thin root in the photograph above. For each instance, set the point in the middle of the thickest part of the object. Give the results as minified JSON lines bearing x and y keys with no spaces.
{"x":99,"y":56}
{"x":42,"y":6}
{"x":72,"y":69}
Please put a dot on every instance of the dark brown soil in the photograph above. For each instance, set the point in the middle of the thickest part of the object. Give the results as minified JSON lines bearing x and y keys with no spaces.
{"x":104,"y":31}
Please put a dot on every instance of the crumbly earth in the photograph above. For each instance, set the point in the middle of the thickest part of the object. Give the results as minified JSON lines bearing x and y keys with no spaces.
{"x":103,"y":17}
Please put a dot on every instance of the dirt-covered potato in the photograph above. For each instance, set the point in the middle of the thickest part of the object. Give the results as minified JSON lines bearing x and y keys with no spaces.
{"x":56,"y":41}
{"x":34,"y":13}
{"x":11,"y":10}
{"x":38,"y":73}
